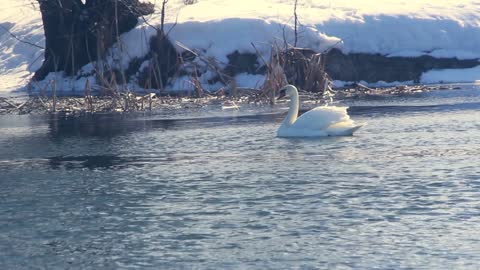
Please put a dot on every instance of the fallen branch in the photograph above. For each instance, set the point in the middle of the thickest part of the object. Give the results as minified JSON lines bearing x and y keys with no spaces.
{"x":9,"y":103}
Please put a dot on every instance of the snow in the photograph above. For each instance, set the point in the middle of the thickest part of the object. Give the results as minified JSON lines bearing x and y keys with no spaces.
{"x":64,"y":86}
{"x":216,"y":28}
{"x":343,"y":84}
{"x":186,"y":84}
{"x":237,"y":34}
{"x":371,"y":26}
{"x":134,"y":44}
{"x":245,"y":80}
{"x":18,"y":60}
{"x":452,"y":76}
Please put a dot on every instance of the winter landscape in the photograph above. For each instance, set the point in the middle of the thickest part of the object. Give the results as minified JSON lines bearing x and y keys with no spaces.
{"x":221,"y":134}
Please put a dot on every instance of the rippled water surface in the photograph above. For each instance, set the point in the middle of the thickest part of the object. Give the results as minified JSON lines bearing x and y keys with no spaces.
{"x":222,"y":192}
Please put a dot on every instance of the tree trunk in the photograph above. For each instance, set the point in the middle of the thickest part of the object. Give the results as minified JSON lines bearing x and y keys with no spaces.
{"x":78,"y":33}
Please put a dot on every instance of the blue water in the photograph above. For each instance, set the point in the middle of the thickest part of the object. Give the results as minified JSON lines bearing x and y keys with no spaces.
{"x":218,"y":190}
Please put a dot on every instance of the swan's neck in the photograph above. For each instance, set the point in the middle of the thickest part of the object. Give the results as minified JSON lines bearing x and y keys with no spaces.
{"x":293,"y":111}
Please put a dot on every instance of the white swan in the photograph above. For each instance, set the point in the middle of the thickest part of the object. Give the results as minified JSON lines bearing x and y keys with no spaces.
{"x":319,"y":122}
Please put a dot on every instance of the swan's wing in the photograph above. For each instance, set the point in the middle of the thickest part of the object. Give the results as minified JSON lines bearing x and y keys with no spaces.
{"x":320,"y":118}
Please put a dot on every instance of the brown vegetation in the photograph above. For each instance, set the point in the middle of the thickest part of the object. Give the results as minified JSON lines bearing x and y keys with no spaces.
{"x":129,"y":102}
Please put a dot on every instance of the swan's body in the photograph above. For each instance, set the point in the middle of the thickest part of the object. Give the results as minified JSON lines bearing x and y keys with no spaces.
{"x":318,"y":122}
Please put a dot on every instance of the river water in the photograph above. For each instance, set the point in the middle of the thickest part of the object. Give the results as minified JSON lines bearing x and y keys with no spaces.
{"x":220,"y":191}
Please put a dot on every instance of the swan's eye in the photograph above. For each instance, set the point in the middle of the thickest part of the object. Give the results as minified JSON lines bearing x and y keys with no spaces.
{"x":281,"y":94}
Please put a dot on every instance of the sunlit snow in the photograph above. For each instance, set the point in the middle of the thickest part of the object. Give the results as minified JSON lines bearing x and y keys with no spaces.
{"x":441,"y":28}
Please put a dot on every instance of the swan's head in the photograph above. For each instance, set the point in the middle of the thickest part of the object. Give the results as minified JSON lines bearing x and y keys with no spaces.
{"x":287,"y":90}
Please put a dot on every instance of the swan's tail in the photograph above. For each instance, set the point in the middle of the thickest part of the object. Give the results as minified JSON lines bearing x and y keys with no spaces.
{"x":346,"y":128}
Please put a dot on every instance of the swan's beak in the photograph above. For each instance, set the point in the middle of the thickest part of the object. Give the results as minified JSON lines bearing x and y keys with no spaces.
{"x":282,"y":94}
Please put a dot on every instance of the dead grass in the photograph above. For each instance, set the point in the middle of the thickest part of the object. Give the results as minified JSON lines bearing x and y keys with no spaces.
{"x":129,"y":102}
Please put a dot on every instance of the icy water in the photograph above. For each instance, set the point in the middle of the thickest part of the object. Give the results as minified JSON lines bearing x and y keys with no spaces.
{"x":222,"y":192}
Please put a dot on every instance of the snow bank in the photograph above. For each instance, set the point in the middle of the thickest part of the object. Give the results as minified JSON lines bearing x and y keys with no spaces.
{"x":452,"y":76}
{"x":134,"y":44}
{"x":441,"y":28}
{"x":19,"y":60}
{"x":342,"y":84}
{"x":249,"y":81}
{"x":218,"y":38}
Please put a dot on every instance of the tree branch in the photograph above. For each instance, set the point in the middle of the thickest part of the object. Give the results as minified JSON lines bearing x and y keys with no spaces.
{"x":296,"y":22}
{"x":19,"y":39}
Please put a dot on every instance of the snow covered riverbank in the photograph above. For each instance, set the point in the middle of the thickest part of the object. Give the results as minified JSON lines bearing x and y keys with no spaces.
{"x":217,"y":28}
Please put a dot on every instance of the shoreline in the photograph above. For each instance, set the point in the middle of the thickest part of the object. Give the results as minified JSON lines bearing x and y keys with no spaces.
{"x":128,"y":103}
